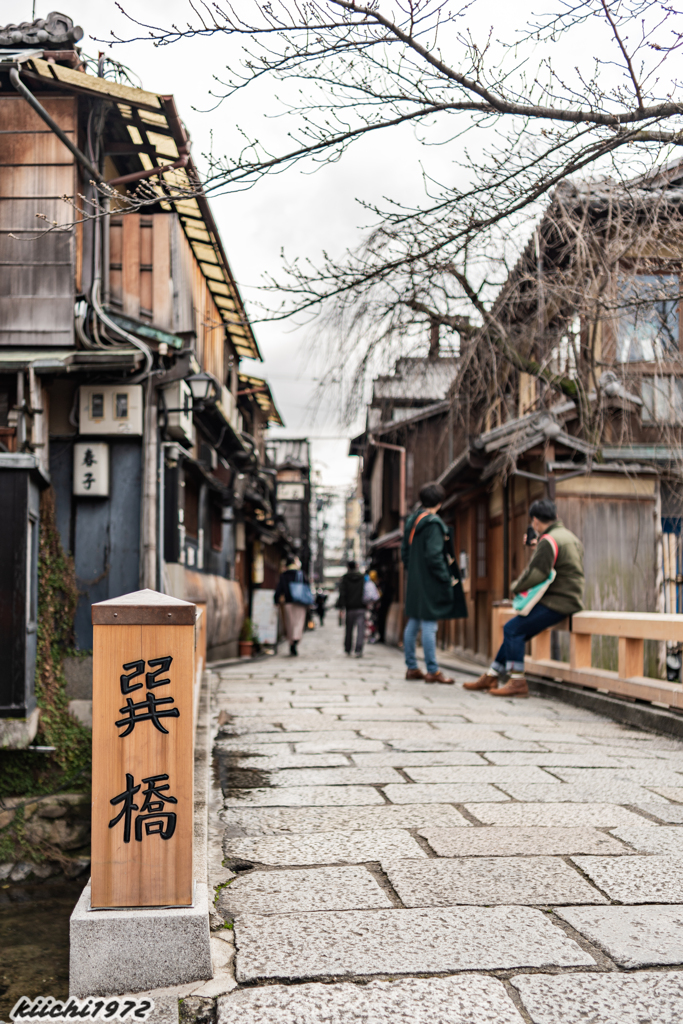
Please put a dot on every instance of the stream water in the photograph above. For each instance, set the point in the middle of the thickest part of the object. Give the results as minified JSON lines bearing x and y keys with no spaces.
{"x":34,"y":939}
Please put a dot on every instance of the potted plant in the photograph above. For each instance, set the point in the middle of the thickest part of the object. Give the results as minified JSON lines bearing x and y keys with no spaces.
{"x":247,"y":638}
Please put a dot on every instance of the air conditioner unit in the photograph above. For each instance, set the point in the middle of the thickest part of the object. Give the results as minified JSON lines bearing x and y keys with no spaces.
{"x":228,"y":407}
{"x":110,"y":409}
{"x":178,"y":398}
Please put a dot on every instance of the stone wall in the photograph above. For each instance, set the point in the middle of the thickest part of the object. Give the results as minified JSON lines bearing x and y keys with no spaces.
{"x":44,"y":836}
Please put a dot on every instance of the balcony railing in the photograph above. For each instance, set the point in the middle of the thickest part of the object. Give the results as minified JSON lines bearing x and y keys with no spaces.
{"x":632,"y":630}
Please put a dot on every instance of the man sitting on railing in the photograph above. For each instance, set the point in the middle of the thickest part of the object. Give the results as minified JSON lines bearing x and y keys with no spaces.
{"x":556,"y":549}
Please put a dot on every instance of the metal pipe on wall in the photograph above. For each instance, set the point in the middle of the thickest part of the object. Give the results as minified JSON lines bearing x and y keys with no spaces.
{"x":401,"y":507}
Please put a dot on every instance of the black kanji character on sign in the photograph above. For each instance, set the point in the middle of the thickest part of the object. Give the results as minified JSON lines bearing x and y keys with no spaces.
{"x":151,"y":678}
{"x":88,"y":481}
{"x":129,"y":806}
{"x":153,"y":821}
{"x":146,"y":711}
{"x":156,"y":821}
{"x":139,"y":668}
{"x":89,"y":457}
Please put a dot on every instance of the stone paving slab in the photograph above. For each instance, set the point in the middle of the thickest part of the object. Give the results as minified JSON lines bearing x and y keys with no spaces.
{"x":632,"y":936}
{"x":442,"y":794}
{"x":268,"y":762}
{"x":643,"y":998}
{"x":657,"y":775}
{"x":646,"y":839}
{"x":334,"y":742}
{"x":305,"y":796}
{"x":562,"y":814}
{"x":404,"y":759}
{"x":598,"y":792}
{"x":400,"y":942}
{"x":287,"y":892}
{"x":553,"y":760}
{"x":331,"y":847}
{"x":522,"y":776}
{"x":515,"y":842}
{"x":674,"y":793}
{"x":488,"y":881}
{"x":653,"y":879}
{"x":306,"y":821}
{"x":347,"y":776}
{"x":472,"y":999}
{"x":671,"y":813}
{"x":253,"y":749}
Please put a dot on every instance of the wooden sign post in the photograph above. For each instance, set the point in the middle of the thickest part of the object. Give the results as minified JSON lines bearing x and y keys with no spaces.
{"x":143,"y":758}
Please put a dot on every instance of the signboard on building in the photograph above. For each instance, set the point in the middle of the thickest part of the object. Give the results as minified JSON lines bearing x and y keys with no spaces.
{"x":290,"y":491}
{"x":91,"y":470}
{"x":143,"y":761}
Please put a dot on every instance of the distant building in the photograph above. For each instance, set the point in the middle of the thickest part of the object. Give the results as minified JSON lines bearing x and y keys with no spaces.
{"x":291,"y":460}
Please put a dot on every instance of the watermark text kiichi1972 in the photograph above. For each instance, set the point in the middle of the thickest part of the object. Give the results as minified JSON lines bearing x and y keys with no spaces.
{"x":94,"y":1008}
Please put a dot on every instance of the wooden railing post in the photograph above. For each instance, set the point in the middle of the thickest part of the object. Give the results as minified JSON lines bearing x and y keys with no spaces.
{"x":540,"y":646}
{"x":631,"y":654}
{"x":143,"y":756}
{"x":580,"y":650}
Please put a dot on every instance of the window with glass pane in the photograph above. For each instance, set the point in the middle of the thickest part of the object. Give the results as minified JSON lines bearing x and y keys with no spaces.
{"x":662,"y":400}
{"x":648,"y":317}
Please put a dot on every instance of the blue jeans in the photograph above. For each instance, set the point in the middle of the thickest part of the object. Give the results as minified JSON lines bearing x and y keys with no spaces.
{"x":428,"y":643}
{"x":517,"y":631}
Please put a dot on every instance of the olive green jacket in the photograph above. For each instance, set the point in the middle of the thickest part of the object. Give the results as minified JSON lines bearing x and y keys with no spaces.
{"x":434,"y":590}
{"x":565,"y":593}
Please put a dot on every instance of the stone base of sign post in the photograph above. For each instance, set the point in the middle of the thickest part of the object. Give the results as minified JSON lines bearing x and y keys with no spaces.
{"x":114,"y":951}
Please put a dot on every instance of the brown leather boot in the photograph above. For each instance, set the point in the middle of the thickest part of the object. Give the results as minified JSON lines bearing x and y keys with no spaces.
{"x":516,"y":687}
{"x":438,"y":677}
{"x":414,"y":673}
{"x":485,"y":682}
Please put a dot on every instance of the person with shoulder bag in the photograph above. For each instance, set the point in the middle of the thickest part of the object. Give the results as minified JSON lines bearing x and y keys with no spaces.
{"x":294,"y":595}
{"x":549,"y":589}
{"x":434,"y":588}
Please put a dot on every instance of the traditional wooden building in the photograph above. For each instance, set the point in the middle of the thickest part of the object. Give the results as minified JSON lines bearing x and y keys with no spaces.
{"x":121,"y":335}
{"x":588,"y":412}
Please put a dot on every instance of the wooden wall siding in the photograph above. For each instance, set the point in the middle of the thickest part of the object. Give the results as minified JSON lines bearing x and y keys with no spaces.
{"x":209,"y":326}
{"x":154,"y":276}
{"x":36,"y":269}
{"x":140,"y":267}
{"x":619,"y":543}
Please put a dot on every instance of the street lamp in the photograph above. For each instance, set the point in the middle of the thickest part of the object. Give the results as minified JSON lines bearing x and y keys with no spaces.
{"x":202,"y":385}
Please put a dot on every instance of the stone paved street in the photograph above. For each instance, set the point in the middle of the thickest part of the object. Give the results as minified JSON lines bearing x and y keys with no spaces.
{"x":400,"y":852}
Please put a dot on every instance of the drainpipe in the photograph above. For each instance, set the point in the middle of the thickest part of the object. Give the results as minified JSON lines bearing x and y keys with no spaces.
{"x":401,"y":476}
{"x":42,"y":112}
{"x":125,"y":179}
{"x":401,"y":507}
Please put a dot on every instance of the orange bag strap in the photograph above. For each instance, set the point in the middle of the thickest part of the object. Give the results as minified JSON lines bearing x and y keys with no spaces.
{"x":553,"y":544}
{"x":412,"y":532}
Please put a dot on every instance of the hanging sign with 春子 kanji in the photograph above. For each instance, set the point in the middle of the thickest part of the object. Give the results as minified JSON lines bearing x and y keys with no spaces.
{"x":143,"y":759}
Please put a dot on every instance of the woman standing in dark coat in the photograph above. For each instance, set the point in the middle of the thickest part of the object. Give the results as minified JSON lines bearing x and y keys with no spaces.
{"x":434,"y":589}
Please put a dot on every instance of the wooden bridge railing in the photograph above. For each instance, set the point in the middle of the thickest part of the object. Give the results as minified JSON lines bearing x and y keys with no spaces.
{"x":631,"y":628}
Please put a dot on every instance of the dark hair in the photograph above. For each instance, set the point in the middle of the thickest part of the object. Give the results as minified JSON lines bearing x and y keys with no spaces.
{"x":544,"y":509}
{"x":431,"y":495}
{"x":351,"y":565}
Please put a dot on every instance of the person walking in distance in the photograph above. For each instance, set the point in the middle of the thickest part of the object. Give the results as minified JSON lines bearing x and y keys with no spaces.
{"x":294,"y":613}
{"x":434,"y":588}
{"x":351,"y":599}
{"x":320,"y":602}
{"x":558,"y":563}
